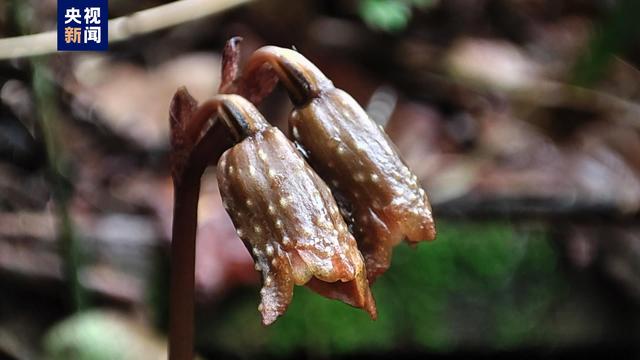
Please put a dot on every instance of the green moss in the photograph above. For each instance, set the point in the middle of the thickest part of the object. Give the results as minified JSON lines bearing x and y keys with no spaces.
{"x":478,"y":283}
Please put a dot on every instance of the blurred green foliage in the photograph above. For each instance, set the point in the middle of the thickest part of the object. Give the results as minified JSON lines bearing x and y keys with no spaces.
{"x":613,"y":36}
{"x":102,"y":335}
{"x":390,"y":15}
{"x":59,"y":168}
{"x":478,"y":283}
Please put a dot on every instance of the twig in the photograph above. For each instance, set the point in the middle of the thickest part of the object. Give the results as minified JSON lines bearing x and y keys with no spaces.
{"x":488,"y":207}
{"x":122,"y":28}
{"x":534,"y":94}
{"x":552,"y":93}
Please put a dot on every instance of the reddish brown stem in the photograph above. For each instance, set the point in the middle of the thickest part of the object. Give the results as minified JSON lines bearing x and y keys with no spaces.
{"x":196,"y":144}
{"x":183,"y":244}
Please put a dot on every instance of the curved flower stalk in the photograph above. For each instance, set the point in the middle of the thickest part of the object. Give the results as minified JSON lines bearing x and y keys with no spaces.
{"x":380,"y":197}
{"x":286,"y":216}
{"x":195,"y":142}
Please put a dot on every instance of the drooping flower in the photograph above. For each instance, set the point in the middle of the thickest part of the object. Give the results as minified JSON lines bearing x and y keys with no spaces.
{"x":380,"y":197}
{"x":286,"y":216}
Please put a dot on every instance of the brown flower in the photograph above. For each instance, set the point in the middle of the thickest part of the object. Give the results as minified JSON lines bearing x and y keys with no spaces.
{"x":380,"y":197}
{"x":286,"y":216}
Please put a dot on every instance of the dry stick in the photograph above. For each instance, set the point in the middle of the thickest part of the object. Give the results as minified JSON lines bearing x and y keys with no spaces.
{"x":122,"y":28}
{"x":551,"y":93}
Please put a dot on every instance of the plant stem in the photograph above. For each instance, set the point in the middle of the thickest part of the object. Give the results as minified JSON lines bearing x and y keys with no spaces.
{"x":61,"y":184}
{"x":183,"y":254}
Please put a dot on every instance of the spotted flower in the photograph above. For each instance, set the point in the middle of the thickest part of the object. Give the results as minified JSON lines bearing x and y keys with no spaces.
{"x":286,"y":216}
{"x":380,"y":197}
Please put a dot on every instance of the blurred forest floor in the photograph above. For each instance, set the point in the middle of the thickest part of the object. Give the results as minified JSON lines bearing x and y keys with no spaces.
{"x":521,"y":119}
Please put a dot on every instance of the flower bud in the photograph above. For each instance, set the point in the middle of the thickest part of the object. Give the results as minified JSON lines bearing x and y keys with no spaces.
{"x":286,"y":216}
{"x":381,"y":198}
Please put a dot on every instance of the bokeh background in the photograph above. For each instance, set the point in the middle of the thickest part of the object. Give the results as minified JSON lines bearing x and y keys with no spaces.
{"x":521,"y":118}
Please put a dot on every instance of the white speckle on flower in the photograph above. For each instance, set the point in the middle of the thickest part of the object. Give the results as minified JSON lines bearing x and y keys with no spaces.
{"x":269,"y":249}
